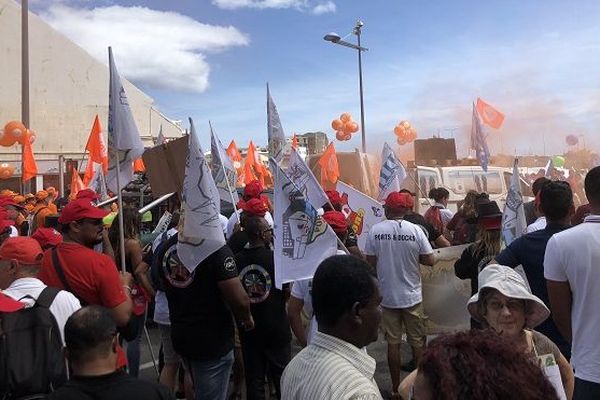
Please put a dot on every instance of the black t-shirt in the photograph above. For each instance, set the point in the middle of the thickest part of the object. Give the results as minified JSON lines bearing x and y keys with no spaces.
{"x":256,"y":268}
{"x":116,"y":386}
{"x":429,"y":229}
{"x":201,"y":322}
{"x":237,"y":241}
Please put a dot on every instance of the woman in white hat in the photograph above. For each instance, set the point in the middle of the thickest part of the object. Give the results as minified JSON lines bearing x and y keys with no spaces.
{"x":505,"y":304}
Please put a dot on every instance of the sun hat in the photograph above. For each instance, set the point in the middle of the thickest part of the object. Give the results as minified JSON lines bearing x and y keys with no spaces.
{"x":508,"y":282}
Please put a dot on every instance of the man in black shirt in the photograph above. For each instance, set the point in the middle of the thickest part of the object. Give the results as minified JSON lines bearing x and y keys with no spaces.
{"x":200,"y":307}
{"x":91,"y":348}
{"x":268,"y":347}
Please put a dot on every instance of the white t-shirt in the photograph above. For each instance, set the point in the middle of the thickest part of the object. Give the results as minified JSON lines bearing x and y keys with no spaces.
{"x":573,"y":256}
{"x":234,"y":220}
{"x":397,"y":245}
{"x":63,"y":306}
{"x":538,"y":225}
{"x":445,"y":213}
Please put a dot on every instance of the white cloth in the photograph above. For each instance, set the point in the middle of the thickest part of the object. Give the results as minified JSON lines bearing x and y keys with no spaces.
{"x":397,"y":245}
{"x":14,"y":232}
{"x":445,"y":213}
{"x":573,"y":256}
{"x":224,"y":223}
{"x":302,"y":290}
{"x":233,"y":219}
{"x":62,"y":307}
{"x":537,"y":225}
{"x":330,"y":368}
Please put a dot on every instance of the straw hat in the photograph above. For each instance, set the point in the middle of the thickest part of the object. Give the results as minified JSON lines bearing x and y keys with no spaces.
{"x":508,"y":282}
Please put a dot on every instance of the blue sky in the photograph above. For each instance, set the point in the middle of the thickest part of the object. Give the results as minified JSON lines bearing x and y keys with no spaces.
{"x":427,"y":61}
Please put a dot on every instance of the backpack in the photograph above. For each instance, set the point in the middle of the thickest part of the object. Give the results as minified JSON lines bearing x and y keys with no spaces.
{"x":32,"y":363}
{"x":434,"y":216}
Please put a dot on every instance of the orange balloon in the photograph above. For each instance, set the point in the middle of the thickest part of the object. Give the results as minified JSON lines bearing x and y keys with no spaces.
{"x":6,"y":140}
{"x":398,"y":129}
{"x":413,"y":134}
{"x":401,"y":142}
{"x":405,"y":124}
{"x":6,"y":171}
{"x":339,"y":135}
{"x":337,"y":125}
{"x":347,"y":136}
{"x":345,"y":117}
{"x":352,"y":127}
{"x":15,"y":129}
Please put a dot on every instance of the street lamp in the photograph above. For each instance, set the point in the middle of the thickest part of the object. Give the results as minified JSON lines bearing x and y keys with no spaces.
{"x":336,"y":39}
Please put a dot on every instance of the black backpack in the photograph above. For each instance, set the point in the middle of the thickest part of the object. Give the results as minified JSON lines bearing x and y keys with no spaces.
{"x":32,"y":363}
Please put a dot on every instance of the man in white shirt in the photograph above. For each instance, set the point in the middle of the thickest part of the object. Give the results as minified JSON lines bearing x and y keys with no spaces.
{"x":335,"y":365}
{"x":395,"y":248}
{"x":20,"y":261}
{"x":571,"y":269}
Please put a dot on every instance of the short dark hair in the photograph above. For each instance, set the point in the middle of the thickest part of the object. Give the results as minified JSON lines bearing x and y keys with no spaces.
{"x":89,"y":330}
{"x":438,"y":193}
{"x":252,"y":225}
{"x":538,"y":183}
{"x":556,"y":200}
{"x":339,"y":282}
{"x":592,"y":185}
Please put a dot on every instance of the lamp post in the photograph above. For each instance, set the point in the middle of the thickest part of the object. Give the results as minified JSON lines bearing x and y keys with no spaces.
{"x":336,"y":39}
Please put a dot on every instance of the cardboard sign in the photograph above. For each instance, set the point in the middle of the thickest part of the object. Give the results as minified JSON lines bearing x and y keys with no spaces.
{"x":165,"y":166}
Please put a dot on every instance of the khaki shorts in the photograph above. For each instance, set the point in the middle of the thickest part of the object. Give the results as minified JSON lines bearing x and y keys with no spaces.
{"x":396,"y":321}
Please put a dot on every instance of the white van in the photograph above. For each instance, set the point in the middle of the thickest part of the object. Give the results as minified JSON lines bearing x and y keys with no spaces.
{"x":459,"y":180}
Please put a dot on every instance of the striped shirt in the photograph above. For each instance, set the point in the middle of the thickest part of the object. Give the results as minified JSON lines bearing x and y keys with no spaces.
{"x":330,"y":368}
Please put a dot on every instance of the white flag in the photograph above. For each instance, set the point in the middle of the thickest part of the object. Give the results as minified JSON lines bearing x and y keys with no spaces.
{"x":302,"y":238}
{"x":304,"y":179}
{"x":513,"y":218}
{"x":163,"y":223}
{"x":202,"y":233}
{"x":392,"y":173}
{"x":124,"y":141}
{"x":363,"y":211}
{"x":160,"y":139}
{"x":98,"y":182}
{"x":275,"y":130}
{"x":223,"y":171}
{"x":549,"y":168}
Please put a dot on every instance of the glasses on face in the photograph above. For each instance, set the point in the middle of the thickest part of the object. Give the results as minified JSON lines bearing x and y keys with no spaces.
{"x":511,"y":305}
{"x":91,"y":221}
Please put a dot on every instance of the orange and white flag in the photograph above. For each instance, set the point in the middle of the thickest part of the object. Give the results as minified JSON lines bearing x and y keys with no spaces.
{"x":97,"y":147}
{"x":489,"y":115}
{"x":330,"y":170}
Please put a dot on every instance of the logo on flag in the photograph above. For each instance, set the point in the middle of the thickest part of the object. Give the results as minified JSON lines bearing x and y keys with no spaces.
{"x":392,"y":172}
{"x":513,"y":217}
{"x":305,"y":181}
{"x":478,"y":141}
{"x":275,"y":130}
{"x":363,"y":211}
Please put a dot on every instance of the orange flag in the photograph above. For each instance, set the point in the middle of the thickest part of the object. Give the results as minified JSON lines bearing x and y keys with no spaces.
{"x":233,"y":152}
{"x":96,"y":146}
{"x":76,"y":183}
{"x":295,"y":142}
{"x":330,"y":170}
{"x":489,"y":115}
{"x":89,"y":172}
{"x":248,"y":172}
{"x":138,"y":165}
{"x":29,"y":166}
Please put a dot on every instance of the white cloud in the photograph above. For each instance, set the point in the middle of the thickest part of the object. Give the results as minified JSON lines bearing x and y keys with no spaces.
{"x":157,"y":49}
{"x":315,"y":7}
{"x":324,"y":8}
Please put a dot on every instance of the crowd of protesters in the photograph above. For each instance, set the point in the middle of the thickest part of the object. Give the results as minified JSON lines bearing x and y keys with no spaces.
{"x":534,"y":333}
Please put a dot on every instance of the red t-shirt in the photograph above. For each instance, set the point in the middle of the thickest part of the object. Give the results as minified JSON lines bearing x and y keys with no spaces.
{"x":93,"y":277}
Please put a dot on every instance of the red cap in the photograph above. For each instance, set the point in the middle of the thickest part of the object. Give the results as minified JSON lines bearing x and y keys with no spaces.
{"x":87,"y":194}
{"x":47,"y":237}
{"x":255,"y":207}
{"x":79,"y":209}
{"x":336,"y":220}
{"x":491,"y":223}
{"x":8,"y":304}
{"x":23,"y":249}
{"x":397,"y":200}
{"x":5,"y":223}
{"x":334,"y":198}
{"x":9,"y":201}
{"x":253,"y":190}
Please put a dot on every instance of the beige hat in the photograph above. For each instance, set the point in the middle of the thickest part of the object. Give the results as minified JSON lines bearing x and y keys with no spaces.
{"x":508,"y":282}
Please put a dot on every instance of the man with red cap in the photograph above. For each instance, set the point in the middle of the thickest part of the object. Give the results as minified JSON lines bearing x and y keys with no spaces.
{"x":395,"y":248}
{"x":88,"y":194}
{"x":252,"y":190}
{"x":74,"y":265}
{"x":13,"y":210}
{"x":268,"y":346}
{"x":20,"y":260}
{"x":48,"y":238}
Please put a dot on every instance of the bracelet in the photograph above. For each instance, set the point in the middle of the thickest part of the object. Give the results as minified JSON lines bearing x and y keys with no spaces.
{"x":128,"y":288}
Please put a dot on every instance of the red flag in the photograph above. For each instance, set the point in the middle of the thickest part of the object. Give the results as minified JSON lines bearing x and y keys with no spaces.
{"x":248,"y":172}
{"x":96,"y":146}
{"x":76,"y":184}
{"x":253,"y":159}
{"x":138,"y":165}
{"x":330,"y":170}
{"x":295,"y":142}
{"x":89,"y":172}
{"x":29,"y":165}
{"x":489,"y":115}
{"x":233,"y":152}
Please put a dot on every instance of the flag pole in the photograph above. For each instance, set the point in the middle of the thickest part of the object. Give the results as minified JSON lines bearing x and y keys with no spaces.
{"x":235,"y":209}
{"x":120,"y":213}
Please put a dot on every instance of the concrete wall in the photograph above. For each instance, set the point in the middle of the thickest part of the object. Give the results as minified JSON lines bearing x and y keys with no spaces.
{"x":68,"y":87}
